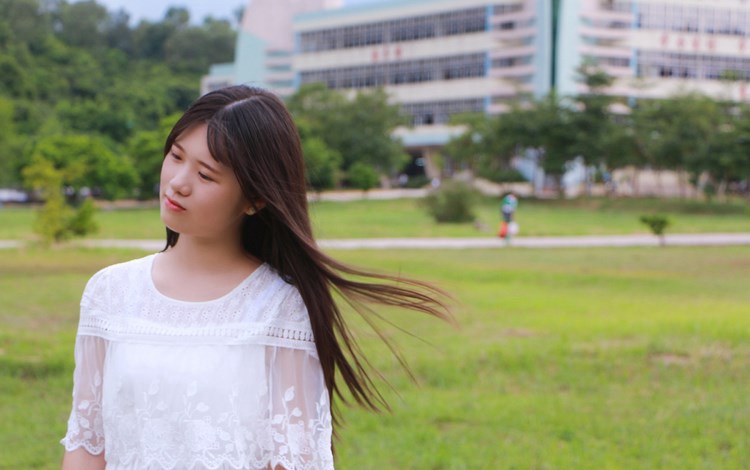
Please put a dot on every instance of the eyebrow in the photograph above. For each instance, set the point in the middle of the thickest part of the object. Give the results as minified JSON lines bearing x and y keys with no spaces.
{"x":200,"y":162}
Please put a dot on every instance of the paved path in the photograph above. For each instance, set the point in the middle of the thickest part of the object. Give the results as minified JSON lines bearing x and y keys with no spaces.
{"x":707,"y":239}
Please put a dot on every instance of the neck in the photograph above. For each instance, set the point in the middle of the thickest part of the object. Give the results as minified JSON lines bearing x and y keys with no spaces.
{"x":197,"y":254}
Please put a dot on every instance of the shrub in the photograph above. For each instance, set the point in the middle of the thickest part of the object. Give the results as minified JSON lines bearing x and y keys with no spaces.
{"x":363,"y":176}
{"x":657,"y":224}
{"x":452,"y":202}
{"x":505,"y":175}
{"x":56,"y":220}
{"x":82,"y":222}
{"x":418,"y":181}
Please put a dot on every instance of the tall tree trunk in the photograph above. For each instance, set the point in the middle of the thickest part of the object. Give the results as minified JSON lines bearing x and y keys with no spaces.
{"x":681,"y":183}
{"x":635,"y":183}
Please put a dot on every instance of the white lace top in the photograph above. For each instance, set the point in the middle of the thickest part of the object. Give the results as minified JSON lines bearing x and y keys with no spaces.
{"x":231,"y":383}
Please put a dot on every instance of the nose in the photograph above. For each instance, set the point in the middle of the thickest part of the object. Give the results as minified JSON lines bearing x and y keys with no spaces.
{"x":180,"y":182}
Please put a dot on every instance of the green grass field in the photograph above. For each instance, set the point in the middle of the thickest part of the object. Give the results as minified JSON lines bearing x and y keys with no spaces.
{"x":406,"y":218}
{"x":577,"y":359}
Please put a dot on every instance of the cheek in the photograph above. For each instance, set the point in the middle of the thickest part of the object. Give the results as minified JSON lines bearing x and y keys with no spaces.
{"x":166,"y":172}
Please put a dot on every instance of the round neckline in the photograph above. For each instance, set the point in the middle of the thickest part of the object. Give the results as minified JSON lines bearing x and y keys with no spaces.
{"x":236,"y":288}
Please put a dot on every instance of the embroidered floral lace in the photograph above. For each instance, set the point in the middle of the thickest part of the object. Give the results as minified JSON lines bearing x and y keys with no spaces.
{"x":232,"y":383}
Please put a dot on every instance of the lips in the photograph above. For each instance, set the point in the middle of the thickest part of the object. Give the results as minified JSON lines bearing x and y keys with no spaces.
{"x":172,"y":204}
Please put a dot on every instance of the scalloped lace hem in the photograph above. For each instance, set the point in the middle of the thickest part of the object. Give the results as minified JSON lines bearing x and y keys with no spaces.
{"x":223,"y":465}
{"x":71,"y":446}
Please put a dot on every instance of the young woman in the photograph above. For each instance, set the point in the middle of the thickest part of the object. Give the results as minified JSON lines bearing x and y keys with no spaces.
{"x":225,"y":350}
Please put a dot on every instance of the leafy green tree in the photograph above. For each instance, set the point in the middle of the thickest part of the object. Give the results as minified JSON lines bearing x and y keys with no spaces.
{"x":51,"y":221}
{"x":727,"y":160}
{"x":547,"y":126}
{"x":601,"y":139}
{"x":23,"y":21}
{"x":358,"y":129}
{"x":676,"y":133}
{"x":76,"y":68}
{"x":321,"y":164}
{"x":194,"y":49}
{"x":10,"y":149}
{"x":363,"y":176}
{"x":146,"y":150}
{"x":56,"y":220}
{"x":477,"y":147}
{"x":150,"y":38}
{"x":87,"y":161}
{"x":82,"y":24}
{"x":97,"y":116}
{"x":366,"y":136}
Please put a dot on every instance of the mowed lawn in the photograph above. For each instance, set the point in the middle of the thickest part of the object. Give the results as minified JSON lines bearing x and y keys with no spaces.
{"x":630,"y":358}
{"x":408,"y":218}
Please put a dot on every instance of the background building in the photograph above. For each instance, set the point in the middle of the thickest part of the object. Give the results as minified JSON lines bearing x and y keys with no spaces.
{"x":441,"y":57}
{"x":265,"y":45}
{"x":438,"y":58}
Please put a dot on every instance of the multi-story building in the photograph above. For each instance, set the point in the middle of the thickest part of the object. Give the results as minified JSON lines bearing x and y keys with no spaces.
{"x":437,"y":58}
{"x":658,"y":48}
{"x":265,"y":46}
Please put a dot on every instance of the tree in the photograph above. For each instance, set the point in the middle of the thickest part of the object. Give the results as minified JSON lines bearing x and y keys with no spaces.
{"x":146,"y":150}
{"x":601,"y":138}
{"x":86,"y":161}
{"x":363,"y":177}
{"x":369,"y":121}
{"x":82,"y":24}
{"x":478,"y":148}
{"x":321,"y":164}
{"x":56,"y":220}
{"x":675,"y":133}
{"x":194,"y":49}
{"x":359,"y":130}
{"x":97,"y":117}
{"x":11,"y":156}
{"x":547,"y":126}
{"x":73,"y":68}
{"x":727,"y":159}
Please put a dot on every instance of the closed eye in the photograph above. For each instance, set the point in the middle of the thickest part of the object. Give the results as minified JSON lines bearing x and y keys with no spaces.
{"x":204,"y":177}
{"x":175,"y":156}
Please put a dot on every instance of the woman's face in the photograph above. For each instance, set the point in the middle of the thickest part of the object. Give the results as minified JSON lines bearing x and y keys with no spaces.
{"x":200,"y":197}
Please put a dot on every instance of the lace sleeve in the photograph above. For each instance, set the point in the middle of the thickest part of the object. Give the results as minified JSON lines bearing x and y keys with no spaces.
{"x":85,"y":423}
{"x":299,"y":411}
{"x":85,"y":427}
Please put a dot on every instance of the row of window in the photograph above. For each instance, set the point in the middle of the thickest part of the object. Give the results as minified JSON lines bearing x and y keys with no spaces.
{"x":660,"y":64}
{"x":407,"y":29}
{"x":616,"y":5}
{"x":693,"y":19}
{"x":606,"y":23}
{"x":506,"y":8}
{"x":397,"y":73}
{"x":440,"y":112}
{"x":504,"y":62}
{"x":512,"y":25}
{"x":609,"y":61}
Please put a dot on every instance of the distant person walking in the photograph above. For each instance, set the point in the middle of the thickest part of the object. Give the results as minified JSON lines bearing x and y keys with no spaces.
{"x":508,"y":206}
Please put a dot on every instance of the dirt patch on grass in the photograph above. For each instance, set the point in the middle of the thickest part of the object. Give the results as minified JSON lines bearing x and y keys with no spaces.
{"x":671,"y":359}
{"x":519,"y":333}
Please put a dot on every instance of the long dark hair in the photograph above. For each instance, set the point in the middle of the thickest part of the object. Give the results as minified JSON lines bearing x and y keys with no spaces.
{"x":251,"y":131}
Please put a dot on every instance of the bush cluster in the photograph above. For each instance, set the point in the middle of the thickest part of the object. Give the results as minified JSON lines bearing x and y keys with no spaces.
{"x":452,"y":202}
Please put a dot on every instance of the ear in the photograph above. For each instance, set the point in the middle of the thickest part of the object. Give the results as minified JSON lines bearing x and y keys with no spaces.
{"x":255,"y":206}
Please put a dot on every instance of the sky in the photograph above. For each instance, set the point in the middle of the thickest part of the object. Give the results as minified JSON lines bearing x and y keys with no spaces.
{"x":154,"y":10}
